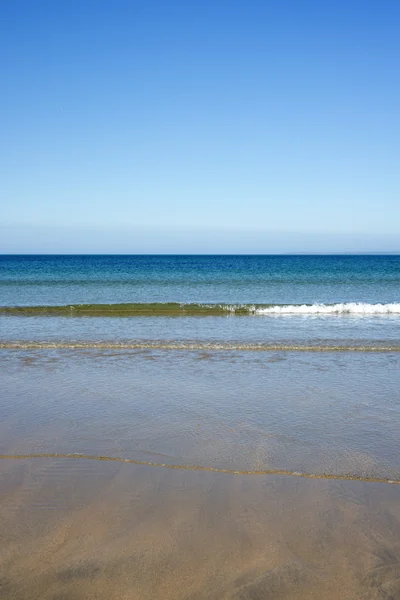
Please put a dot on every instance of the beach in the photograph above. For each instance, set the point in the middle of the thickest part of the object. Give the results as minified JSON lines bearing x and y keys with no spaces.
{"x":84,"y":529}
{"x":233,"y":433}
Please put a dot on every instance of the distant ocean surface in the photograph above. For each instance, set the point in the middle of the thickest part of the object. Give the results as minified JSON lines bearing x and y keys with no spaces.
{"x":249,"y":363}
{"x":231,"y":280}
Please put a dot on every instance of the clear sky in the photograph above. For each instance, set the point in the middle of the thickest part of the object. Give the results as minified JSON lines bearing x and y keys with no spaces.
{"x":199,"y":126}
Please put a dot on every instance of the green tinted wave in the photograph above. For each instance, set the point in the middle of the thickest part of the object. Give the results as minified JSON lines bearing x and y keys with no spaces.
{"x":169,"y":309}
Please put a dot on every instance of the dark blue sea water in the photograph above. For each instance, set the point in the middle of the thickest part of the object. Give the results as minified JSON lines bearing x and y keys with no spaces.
{"x":204,"y":279}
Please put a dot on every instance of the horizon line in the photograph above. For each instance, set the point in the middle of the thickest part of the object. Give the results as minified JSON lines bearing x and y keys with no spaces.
{"x":299,"y":253}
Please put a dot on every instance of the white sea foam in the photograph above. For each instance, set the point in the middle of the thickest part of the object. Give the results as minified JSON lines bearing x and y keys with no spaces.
{"x":352,"y":308}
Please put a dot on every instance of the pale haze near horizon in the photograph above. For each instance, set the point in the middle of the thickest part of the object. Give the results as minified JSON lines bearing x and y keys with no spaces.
{"x":199,"y":127}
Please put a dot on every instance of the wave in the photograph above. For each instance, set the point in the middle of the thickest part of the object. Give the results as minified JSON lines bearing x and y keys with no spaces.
{"x":341,"y":308}
{"x":176,"y":309}
{"x":198,"y":345}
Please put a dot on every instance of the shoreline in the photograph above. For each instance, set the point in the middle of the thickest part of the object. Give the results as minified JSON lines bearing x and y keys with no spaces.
{"x":208,"y":469}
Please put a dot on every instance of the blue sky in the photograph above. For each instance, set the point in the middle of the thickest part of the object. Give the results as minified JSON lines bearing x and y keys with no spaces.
{"x":205,"y":126}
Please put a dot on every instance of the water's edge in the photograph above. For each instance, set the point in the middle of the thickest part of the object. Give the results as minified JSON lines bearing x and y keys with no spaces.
{"x":342,"y":477}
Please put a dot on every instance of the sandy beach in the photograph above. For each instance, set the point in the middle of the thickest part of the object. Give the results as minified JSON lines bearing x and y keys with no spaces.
{"x":92,"y":530}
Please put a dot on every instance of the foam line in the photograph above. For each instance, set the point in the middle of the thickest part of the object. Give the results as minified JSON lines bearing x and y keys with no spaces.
{"x":196,"y":345}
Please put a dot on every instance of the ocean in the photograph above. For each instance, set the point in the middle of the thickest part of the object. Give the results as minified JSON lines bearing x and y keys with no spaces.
{"x":237,"y":363}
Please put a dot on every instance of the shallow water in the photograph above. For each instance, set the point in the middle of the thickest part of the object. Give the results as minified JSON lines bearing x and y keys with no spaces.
{"x":332,"y":413}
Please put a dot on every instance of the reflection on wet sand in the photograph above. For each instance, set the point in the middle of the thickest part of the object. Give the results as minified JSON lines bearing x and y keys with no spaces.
{"x":81,"y":529}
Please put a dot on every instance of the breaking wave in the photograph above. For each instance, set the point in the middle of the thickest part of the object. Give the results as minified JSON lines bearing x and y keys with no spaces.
{"x":354,"y":308}
{"x":176,"y":309}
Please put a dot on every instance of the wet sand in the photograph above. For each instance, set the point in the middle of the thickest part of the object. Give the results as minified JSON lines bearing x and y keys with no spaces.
{"x":84,"y":529}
